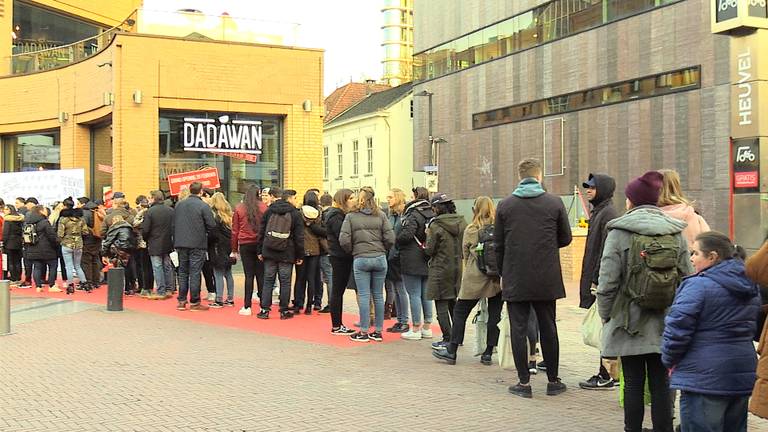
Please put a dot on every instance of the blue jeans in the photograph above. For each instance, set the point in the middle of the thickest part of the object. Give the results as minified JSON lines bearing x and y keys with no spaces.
{"x":162,"y":268}
{"x":221,"y":275}
{"x":369,"y":278}
{"x":190,"y":269}
{"x":710,"y":413}
{"x":72,"y":258}
{"x":401,"y":297}
{"x":272,"y":271}
{"x":416,"y":286}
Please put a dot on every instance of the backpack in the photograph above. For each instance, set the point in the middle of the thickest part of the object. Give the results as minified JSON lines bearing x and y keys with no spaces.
{"x":98,"y":221}
{"x":486,"y":252}
{"x":278,"y":231}
{"x":29,"y":234}
{"x":653,"y":274}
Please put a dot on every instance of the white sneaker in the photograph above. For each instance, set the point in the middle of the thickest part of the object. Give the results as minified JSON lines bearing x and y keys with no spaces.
{"x":211,"y":297}
{"x":411,"y":335}
{"x":244,"y":311}
{"x":426,"y":333}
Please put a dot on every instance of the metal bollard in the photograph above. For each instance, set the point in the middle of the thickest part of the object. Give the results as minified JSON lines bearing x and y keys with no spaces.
{"x":5,"y":307}
{"x":115,"y":286}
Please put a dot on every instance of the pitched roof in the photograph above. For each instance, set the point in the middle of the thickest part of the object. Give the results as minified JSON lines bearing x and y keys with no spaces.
{"x":347,"y":95}
{"x":375,"y":102}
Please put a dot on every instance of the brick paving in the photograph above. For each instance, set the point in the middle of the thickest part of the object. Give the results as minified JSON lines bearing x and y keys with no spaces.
{"x":135,"y":371}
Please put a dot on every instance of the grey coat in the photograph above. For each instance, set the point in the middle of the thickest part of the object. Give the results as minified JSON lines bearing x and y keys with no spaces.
{"x":617,"y":342}
{"x":366,"y":235}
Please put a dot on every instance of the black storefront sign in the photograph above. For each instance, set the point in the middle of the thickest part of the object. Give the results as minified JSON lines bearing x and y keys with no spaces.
{"x":726,"y":9}
{"x":746,"y":165}
{"x":758,"y":8}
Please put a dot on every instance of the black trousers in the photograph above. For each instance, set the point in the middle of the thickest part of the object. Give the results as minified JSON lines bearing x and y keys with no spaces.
{"x":342,"y":269}
{"x":14,"y":264}
{"x":307,"y":276}
{"x":445,"y":316}
{"x":143,"y":269}
{"x":635,"y":369}
{"x":27,"y":269}
{"x":91,"y":262}
{"x":253,"y":268}
{"x":461,"y":314}
{"x":62,"y":265}
{"x":519,"y":313}
{"x":210,"y":282}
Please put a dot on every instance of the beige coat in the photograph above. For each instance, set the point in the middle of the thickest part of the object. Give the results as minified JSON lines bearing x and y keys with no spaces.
{"x":474,"y":284}
{"x":757,"y":270}
{"x":686,"y":213}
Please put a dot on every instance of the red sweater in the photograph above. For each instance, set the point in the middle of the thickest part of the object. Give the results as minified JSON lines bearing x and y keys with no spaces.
{"x":242,"y":231}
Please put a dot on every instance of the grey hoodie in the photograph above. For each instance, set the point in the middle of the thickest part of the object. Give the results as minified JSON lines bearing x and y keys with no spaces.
{"x":617,"y":341}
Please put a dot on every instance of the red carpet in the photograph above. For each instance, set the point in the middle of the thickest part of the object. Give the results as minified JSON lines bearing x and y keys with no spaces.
{"x":315,"y":328}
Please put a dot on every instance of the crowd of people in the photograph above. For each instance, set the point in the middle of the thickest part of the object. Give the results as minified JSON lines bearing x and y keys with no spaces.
{"x":679,"y":307}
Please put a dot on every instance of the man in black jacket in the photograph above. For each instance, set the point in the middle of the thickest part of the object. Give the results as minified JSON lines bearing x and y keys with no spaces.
{"x":531,"y":226}
{"x":157,"y":229}
{"x":600,"y":189}
{"x":193,"y":219}
{"x":278,"y":262}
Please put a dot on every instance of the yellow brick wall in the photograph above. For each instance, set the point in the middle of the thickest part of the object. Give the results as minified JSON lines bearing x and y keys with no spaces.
{"x":571,"y":258}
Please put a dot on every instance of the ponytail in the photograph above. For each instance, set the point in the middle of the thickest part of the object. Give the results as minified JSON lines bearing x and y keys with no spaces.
{"x":719,"y":243}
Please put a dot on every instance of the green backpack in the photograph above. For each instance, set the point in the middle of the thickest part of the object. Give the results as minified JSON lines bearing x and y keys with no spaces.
{"x":653,"y":274}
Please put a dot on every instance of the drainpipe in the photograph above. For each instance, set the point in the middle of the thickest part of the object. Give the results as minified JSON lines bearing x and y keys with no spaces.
{"x":389,"y":154}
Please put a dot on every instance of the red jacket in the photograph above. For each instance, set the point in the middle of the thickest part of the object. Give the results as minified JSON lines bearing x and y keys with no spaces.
{"x":242,"y":231}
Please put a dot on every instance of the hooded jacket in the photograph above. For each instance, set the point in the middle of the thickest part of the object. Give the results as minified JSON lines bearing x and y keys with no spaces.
{"x":531,"y":227}
{"x":603,"y":211}
{"x":120,"y":235}
{"x":157,"y":229}
{"x":243,"y":231}
{"x":291,"y":254}
{"x":334,"y":218}
{"x":366,"y":235}
{"x":645,"y":326}
{"x":695,"y":223}
{"x":71,"y":228}
{"x":444,"y":237}
{"x":47,"y":242}
{"x":474,"y":283}
{"x":12,"y":228}
{"x":412,"y":238}
{"x":709,"y":330}
{"x":313,"y":230}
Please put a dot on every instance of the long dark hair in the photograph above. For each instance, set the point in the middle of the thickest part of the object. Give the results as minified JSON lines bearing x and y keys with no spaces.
{"x":252,"y":208}
{"x":12,"y":210}
{"x":311,"y":199}
{"x":713,"y":241}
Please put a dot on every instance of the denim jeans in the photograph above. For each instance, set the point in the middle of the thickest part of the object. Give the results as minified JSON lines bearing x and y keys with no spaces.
{"x":326,"y":272}
{"x":369,"y":278}
{"x":274,"y":270}
{"x":162,"y":268}
{"x":416,"y":286}
{"x":401,"y":298}
{"x":39,"y":268}
{"x":710,"y":413}
{"x":72,"y":258}
{"x":190,"y":269}
{"x":221,"y":275}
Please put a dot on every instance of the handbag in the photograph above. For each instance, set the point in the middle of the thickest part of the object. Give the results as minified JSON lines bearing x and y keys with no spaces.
{"x":592,"y":328}
{"x":481,"y":326}
{"x":505,"y":357}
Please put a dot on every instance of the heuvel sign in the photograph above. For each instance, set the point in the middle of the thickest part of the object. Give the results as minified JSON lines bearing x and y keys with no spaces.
{"x":746,"y":165}
{"x":209,"y":177}
{"x":222,"y":135}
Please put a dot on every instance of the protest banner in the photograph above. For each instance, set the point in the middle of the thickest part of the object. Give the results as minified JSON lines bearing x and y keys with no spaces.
{"x":47,"y":186}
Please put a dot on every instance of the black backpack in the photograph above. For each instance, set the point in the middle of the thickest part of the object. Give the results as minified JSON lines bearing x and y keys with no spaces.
{"x":487,"y":261}
{"x":277,"y":235}
{"x":29,"y":234}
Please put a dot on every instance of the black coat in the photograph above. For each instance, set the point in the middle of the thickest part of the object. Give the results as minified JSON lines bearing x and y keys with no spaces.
{"x":157,"y":229}
{"x":529,"y":232}
{"x":12,"y":232}
{"x":290,"y":254}
{"x":413,"y":260}
{"x":47,"y":246}
{"x":121,"y":236}
{"x":603,"y":212}
{"x":220,"y":245}
{"x":192,"y":220}
{"x":333,"y":219}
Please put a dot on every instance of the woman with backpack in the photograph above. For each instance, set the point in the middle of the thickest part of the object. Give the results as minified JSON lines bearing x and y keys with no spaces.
{"x":341,"y":260}
{"x":368,"y":236}
{"x":12,"y":242}
{"x":475,"y":283}
{"x":41,"y":244}
{"x":246,"y":226}
{"x":308,"y":273}
{"x":220,"y":250}
{"x":71,"y":229}
{"x":708,"y":337}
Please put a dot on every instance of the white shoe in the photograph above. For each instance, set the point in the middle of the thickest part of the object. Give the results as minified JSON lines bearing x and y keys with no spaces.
{"x":211,"y":297}
{"x":411,"y":335}
{"x":244,"y":311}
{"x":426,"y":333}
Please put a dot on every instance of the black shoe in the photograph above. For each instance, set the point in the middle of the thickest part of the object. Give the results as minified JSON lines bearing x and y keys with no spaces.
{"x":296,"y":309}
{"x":359,"y":337}
{"x":532,"y":368}
{"x":342,"y":331}
{"x":598,"y":383}
{"x":445,"y":356}
{"x":555,"y":388}
{"x":70,"y":289}
{"x":264,"y":314}
{"x":216,"y":305}
{"x":375,"y":336}
{"x":320,"y":307}
{"x":524,"y":391}
{"x":399,"y":328}
{"x":542,"y":366}
{"x":326,"y":309}
{"x":486,"y":359}
{"x":284,"y":315}
{"x":308,"y":310}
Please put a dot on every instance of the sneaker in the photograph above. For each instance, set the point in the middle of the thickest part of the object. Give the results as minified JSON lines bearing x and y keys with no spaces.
{"x":216,"y":305}
{"x":308,"y":310}
{"x":375,"y":336}
{"x":342,"y":331}
{"x":319,"y":308}
{"x":244,"y":311}
{"x":130,"y":293}
{"x":229,"y":303}
{"x":39,"y":289}
{"x":524,"y":391}
{"x":198,"y":307}
{"x":445,"y":356}
{"x":426,"y":333}
{"x":325,"y":310}
{"x":54,"y":289}
{"x":542,"y":366}
{"x":532,"y":368}
{"x":182,"y":306}
{"x":264,"y":314}
{"x":145,"y":293}
{"x":24,"y":286}
{"x":439,"y":345}
{"x":211,"y":297}
{"x":284,"y":315}
{"x":359,"y":337}
{"x":486,"y":359}
{"x":598,"y":383}
{"x":555,"y":388}
{"x":296,"y":309}
{"x":398,"y":328}
{"x":411,"y":335}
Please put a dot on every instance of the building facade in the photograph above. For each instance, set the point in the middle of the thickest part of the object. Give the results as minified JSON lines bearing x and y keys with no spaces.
{"x":398,"y":41}
{"x":132,"y":108}
{"x":618,"y":87}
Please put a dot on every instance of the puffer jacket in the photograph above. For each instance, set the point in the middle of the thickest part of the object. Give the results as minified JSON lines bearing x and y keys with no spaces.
{"x":12,"y":232}
{"x":334,"y":218}
{"x":709,"y":329}
{"x":121,"y":236}
{"x":413,"y":237}
{"x":444,"y":238}
{"x":47,"y":242}
{"x":364,"y":234}
{"x":72,"y":228}
{"x":313,"y":230}
{"x":757,"y":271}
{"x":695,"y":223}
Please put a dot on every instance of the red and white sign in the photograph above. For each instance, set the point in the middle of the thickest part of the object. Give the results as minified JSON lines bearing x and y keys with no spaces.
{"x":107,"y":193}
{"x":745,"y":179}
{"x":209,"y":177}
{"x":244,"y":156}
{"x":104,"y":168}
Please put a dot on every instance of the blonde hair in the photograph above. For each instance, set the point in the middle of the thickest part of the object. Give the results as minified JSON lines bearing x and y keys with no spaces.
{"x":365,"y":200}
{"x":222,"y":209}
{"x":484,"y":212}
{"x":671,"y":190}
{"x":399,"y":196}
{"x":184,"y":194}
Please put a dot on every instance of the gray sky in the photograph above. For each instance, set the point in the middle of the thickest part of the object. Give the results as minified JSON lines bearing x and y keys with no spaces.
{"x":348,"y":30}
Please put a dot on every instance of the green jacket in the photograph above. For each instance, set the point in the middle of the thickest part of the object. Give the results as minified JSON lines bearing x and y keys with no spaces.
{"x":71,"y":228}
{"x":444,"y":237}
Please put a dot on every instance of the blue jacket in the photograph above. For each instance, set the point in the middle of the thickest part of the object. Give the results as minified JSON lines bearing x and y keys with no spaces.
{"x":709,"y":329}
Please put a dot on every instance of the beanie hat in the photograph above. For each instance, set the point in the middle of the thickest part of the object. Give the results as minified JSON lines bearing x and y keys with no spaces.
{"x":645,"y":190}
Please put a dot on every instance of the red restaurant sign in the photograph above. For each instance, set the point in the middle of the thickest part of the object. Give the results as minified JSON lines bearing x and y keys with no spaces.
{"x":745,"y":179}
{"x":209,"y":177}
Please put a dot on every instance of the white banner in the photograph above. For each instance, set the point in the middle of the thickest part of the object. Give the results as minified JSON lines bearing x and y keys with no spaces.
{"x":46,"y":186}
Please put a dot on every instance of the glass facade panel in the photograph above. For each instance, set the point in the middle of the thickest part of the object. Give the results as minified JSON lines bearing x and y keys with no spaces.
{"x":31,"y":152}
{"x":618,"y":9}
{"x":36,"y":28}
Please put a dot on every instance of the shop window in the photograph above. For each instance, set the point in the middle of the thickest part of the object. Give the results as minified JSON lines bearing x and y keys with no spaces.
{"x":369,"y":150}
{"x":31,"y":152}
{"x":36,"y":28}
{"x":355,"y":157}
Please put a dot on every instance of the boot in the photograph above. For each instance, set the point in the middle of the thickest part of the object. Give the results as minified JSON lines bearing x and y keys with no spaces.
{"x":387,"y":312}
{"x":70,"y":289}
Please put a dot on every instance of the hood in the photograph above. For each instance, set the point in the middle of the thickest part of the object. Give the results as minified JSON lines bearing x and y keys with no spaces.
{"x":332,"y":213}
{"x":529,"y":188}
{"x":310,"y":212}
{"x":730,"y":274}
{"x":90,"y":205}
{"x":605,"y":185}
{"x":647,"y":220}
{"x":281,"y":206}
{"x":366,"y":211}
{"x":453,"y":223}
{"x":33,"y":218}
{"x":13,"y":218}
{"x":417,"y":204}
{"x":75,"y":213}
{"x":120,"y":224}
{"x":682,"y":212}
